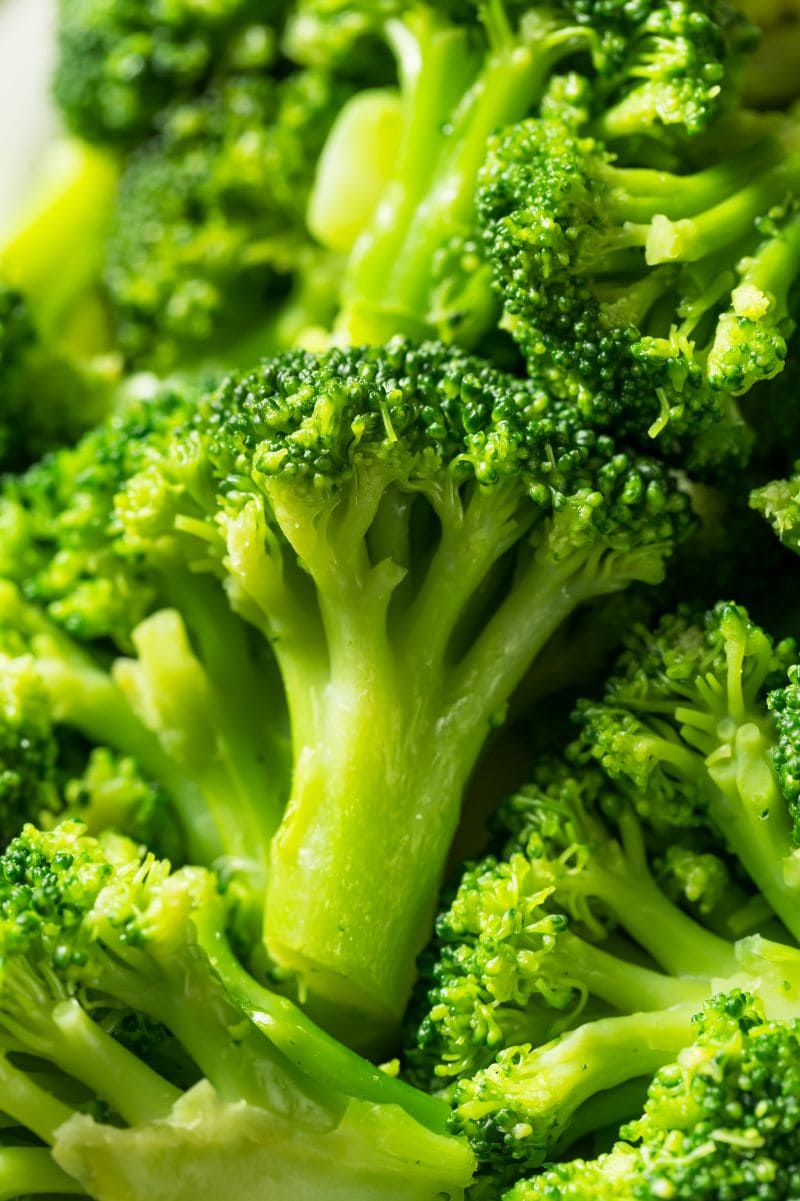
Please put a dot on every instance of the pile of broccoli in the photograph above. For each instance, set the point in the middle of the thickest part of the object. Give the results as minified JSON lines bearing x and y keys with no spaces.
{"x":399,"y":669}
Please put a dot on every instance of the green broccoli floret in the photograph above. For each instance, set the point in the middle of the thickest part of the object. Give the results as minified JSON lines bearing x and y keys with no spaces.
{"x":515,"y":959}
{"x":407,"y":526}
{"x":779,"y":502}
{"x":209,"y":223}
{"x":417,"y":266}
{"x":653,"y":296}
{"x":90,"y":927}
{"x":191,"y":695}
{"x":685,"y":730}
{"x":28,"y":750}
{"x":120,"y":64}
{"x":722,"y":1121}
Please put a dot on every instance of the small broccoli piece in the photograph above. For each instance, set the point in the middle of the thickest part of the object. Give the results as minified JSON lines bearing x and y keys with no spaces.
{"x":28,"y":748}
{"x":407,"y":526}
{"x":90,"y":927}
{"x":119,"y":64}
{"x":720,"y":1121}
{"x":686,"y":732}
{"x":779,"y":502}
{"x":653,"y":296}
{"x":209,"y":223}
{"x":514,"y":959}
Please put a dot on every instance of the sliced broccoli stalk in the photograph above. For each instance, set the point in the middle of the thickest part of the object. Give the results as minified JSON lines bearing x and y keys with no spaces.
{"x":118,"y":931}
{"x":407,"y":527}
{"x":685,"y":730}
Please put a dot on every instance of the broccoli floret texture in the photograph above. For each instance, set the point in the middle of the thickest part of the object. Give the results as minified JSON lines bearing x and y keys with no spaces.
{"x":398,"y":666}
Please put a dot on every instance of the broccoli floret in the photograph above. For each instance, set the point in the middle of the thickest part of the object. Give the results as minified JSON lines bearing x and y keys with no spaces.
{"x":88,"y":928}
{"x":192,"y":694}
{"x":654,"y":296}
{"x":515,"y":959}
{"x":120,"y":64}
{"x":407,"y":526}
{"x":722,"y":1121}
{"x":417,"y":266}
{"x":685,"y":730}
{"x":209,"y":222}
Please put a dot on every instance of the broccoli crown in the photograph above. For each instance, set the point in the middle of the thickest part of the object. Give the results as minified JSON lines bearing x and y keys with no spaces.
{"x":722,"y":1121}
{"x":653,"y":296}
{"x":209,"y":222}
{"x":120,"y":64}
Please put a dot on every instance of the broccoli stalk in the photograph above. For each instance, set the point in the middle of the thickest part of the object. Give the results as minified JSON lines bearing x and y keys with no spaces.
{"x":92,"y":928}
{"x":407,"y":527}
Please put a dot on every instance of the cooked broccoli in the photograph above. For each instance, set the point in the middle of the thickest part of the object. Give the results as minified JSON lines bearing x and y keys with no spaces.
{"x":209,"y":223}
{"x":654,"y":296}
{"x":191,"y":694}
{"x":464,"y":69}
{"x":91,"y":928}
{"x":120,"y":64}
{"x":721,"y":1121}
{"x":515,"y":959}
{"x":685,"y":729}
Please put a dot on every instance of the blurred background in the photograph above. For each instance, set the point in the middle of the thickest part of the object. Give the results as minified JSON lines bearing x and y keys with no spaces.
{"x":26,"y":116}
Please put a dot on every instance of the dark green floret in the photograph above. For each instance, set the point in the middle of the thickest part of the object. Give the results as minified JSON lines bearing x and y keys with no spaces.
{"x":121,"y":63}
{"x":209,"y":224}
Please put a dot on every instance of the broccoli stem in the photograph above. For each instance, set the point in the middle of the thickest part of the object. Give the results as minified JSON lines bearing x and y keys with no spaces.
{"x":774,"y":267}
{"x":626,"y":986}
{"x":31,"y":1171}
{"x":555,"y":1081}
{"x":680,"y":945}
{"x":750,"y":812}
{"x":84,"y":1050}
{"x":28,"y":1104}
{"x":431,"y":199}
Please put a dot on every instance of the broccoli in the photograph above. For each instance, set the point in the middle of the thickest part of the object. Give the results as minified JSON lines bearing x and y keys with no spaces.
{"x":189,"y":692}
{"x":515,"y":959}
{"x":209,"y":223}
{"x":685,"y":729}
{"x":93,"y":929}
{"x":721,"y":1121}
{"x":120,"y":64}
{"x":57,"y":362}
{"x":417,"y":266}
{"x":655,"y":296}
{"x":771,"y":75}
{"x":400,"y":523}
{"x":30,"y":1171}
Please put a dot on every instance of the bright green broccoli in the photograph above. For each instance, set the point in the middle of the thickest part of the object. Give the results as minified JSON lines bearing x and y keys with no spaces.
{"x":654,"y":296}
{"x":721,"y":1121}
{"x":685,"y":730}
{"x":416,"y":264}
{"x":142,"y":657}
{"x":516,"y":958}
{"x":91,"y":930}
